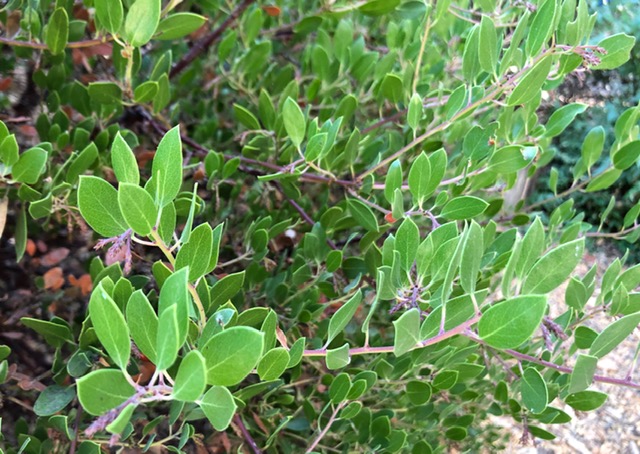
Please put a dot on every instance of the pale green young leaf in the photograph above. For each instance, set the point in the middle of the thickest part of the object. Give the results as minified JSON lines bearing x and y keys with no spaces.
{"x":533,"y":391}
{"x":191,"y":380}
{"x":531,"y":84}
{"x":294,"y":121}
{"x":196,"y":254}
{"x":337,"y":358}
{"x":407,"y":332}
{"x":614,"y":334}
{"x":102,"y":390}
{"x":124,"y":161}
{"x":142,"y":21}
{"x":166,"y":169}
{"x":414,"y":113}
{"x":510,"y":323}
{"x":137,"y":208}
{"x":9,"y":150}
{"x":583,"y":371}
{"x":314,"y":147}
{"x":118,"y":425}
{"x":273,"y":364}
{"x":463,"y":207}
{"x":232,"y":354}
{"x":471,"y":258}
{"x":407,"y":242}
{"x":541,"y":27}
{"x":143,"y":324}
{"x":219,"y":407}
{"x":393,"y":180}
{"x":98,"y":204}
{"x":110,"y":14}
{"x":420,"y":178}
{"x":488,"y":45}
{"x":343,"y":316}
{"x":57,"y":31}
{"x":553,"y":268}
{"x":167,"y":341}
{"x":30,"y":166}
{"x":110,"y":326}
{"x":178,"y":25}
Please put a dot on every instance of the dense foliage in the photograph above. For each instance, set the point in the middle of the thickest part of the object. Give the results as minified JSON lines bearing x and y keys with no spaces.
{"x":311,"y":223}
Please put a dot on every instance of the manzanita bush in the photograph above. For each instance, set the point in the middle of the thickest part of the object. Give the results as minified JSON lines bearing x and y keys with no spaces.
{"x":327,"y":250}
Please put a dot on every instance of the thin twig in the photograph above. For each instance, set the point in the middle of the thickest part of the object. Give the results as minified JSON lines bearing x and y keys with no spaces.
{"x":42,"y":46}
{"x":205,"y":43}
{"x":247,"y":436}
{"x":327,"y":426}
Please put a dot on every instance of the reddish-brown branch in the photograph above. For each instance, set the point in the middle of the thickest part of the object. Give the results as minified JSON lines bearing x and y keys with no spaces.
{"x":205,"y":43}
{"x":42,"y":46}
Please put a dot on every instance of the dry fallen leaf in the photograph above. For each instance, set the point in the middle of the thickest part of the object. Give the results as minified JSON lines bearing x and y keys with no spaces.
{"x":83,"y":283}
{"x":53,"y":279}
{"x":31,"y":247}
{"x":55,"y":256}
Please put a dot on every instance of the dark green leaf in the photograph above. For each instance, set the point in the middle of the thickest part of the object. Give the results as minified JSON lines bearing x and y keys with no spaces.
{"x":53,"y":399}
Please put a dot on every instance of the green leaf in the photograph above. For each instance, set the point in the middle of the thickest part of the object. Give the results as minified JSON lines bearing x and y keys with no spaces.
{"x":562,"y":118}
{"x":146,"y":91}
{"x":296,"y":352}
{"x":196,"y":254}
{"x":407,"y":242}
{"x":463,"y":207}
{"x":393,"y":180}
{"x":137,"y":207}
{"x":82,"y":162}
{"x":392,"y":88}
{"x":124,"y":161}
{"x":226,"y":288}
{"x":102,"y":390}
{"x":586,"y":400}
{"x":105,"y":92}
{"x":553,"y":268}
{"x":418,"y":392}
{"x":583,"y":371}
{"x":618,"y":49}
{"x":53,"y":399}
{"x":191,"y":379}
{"x":407,"y":332}
{"x":446,"y":379}
{"x":488,"y":45}
{"x":294,"y":121}
{"x":592,"y":146}
{"x":419,"y":179}
{"x":215,"y":247}
{"x":166,"y":169}
{"x":232,"y":354}
{"x":614,"y":334}
{"x":273,"y":364}
{"x":245,"y":117}
{"x":57,"y":31}
{"x":508,"y":159}
{"x":142,"y":21}
{"x":470,"y":262}
{"x":512,"y":322}
{"x":54,"y":333}
{"x":531,"y":84}
{"x":30,"y":166}
{"x":174,"y":292}
{"x":604,"y":180}
{"x":541,"y":27}
{"x":414,"y":112}
{"x":626,"y":156}
{"x":339,"y":388}
{"x":532,"y":247}
{"x":9,"y":150}
{"x":533,"y":390}
{"x":168,"y":338}
{"x":470,"y":58}
{"x":110,"y":14}
{"x":110,"y":326}
{"x":315,"y":145}
{"x":118,"y":425}
{"x":337,"y":358}
{"x":178,"y":25}
{"x":219,"y":407}
{"x":341,"y":318}
{"x":143,"y":324}
{"x":363,"y":214}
